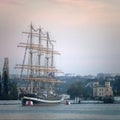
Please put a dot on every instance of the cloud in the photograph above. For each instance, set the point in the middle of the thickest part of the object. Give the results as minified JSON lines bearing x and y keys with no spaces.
{"x":67,"y":12}
{"x":89,"y":11}
{"x":88,"y":28}
{"x":11,"y":2}
{"x":87,"y":4}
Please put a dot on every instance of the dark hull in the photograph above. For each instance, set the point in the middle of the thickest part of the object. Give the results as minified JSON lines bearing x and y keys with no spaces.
{"x":109,"y":99}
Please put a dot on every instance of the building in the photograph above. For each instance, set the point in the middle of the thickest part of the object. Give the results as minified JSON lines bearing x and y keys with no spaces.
{"x":102,"y":90}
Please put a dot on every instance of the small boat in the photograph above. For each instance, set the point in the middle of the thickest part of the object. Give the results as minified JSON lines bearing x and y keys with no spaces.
{"x":67,"y":102}
{"x":40,"y":69}
{"x":108,"y":99}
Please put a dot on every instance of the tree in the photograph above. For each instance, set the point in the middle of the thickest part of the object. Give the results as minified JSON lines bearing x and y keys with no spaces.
{"x":13,"y":92}
{"x":9,"y":90}
{"x":5,"y":85}
{"x":0,"y":86}
{"x":77,"y":90}
{"x":116,"y":86}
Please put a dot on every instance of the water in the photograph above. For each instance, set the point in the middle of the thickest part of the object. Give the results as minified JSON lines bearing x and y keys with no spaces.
{"x":60,"y":112}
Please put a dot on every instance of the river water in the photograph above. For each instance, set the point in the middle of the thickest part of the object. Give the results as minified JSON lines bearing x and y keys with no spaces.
{"x":14,"y":111}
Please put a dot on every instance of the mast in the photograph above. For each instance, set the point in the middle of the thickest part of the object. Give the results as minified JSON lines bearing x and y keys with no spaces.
{"x":51,"y":62}
{"x":31,"y":60}
{"x":47,"y":46}
{"x":47,"y":63}
{"x":42,"y":49}
{"x":39,"y":59}
{"x":39,"y":54}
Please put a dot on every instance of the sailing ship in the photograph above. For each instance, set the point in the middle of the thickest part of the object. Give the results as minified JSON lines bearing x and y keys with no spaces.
{"x":39,"y":69}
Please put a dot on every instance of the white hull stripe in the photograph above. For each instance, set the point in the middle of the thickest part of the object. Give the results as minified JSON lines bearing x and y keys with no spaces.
{"x":44,"y":101}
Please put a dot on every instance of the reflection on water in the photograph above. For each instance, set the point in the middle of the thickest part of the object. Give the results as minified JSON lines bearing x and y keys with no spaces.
{"x":61,"y":112}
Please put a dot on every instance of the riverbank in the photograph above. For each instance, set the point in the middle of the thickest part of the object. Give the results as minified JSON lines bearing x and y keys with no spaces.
{"x":10,"y":102}
{"x":61,"y":112}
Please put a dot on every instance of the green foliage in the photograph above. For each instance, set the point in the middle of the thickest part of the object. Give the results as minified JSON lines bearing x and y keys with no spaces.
{"x":116,"y":86}
{"x":0,"y":86}
{"x":13,"y":92}
{"x":8,"y":89}
{"x":77,"y":90}
{"x":5,"y":85}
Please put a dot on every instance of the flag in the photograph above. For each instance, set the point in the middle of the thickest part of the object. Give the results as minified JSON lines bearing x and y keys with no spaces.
{"x":51,"y":74}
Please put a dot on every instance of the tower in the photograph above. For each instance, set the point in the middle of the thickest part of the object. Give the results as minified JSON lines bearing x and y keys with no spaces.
{"x":95,"y":86}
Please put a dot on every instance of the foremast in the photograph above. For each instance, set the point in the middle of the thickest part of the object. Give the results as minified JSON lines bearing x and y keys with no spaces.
{"x":41,"y":46}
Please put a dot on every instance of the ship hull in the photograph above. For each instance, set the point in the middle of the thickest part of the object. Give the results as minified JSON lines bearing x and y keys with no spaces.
{"x":41,"y":101}
{"x":109,"y":99}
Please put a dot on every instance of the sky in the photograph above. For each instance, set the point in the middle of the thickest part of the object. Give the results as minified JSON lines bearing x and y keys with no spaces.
{"x":87,"y":32}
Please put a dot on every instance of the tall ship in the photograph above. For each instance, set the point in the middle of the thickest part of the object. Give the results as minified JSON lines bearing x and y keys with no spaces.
{"x":38,"y":68}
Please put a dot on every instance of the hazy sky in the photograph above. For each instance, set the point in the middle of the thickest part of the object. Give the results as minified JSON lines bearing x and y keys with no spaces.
{"x":87,"y":32}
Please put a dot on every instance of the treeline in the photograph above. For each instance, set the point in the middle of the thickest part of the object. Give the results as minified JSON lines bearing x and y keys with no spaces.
{"x":8,"y":89}
{"x":79,"y":88}
{"x":116,"y":86}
